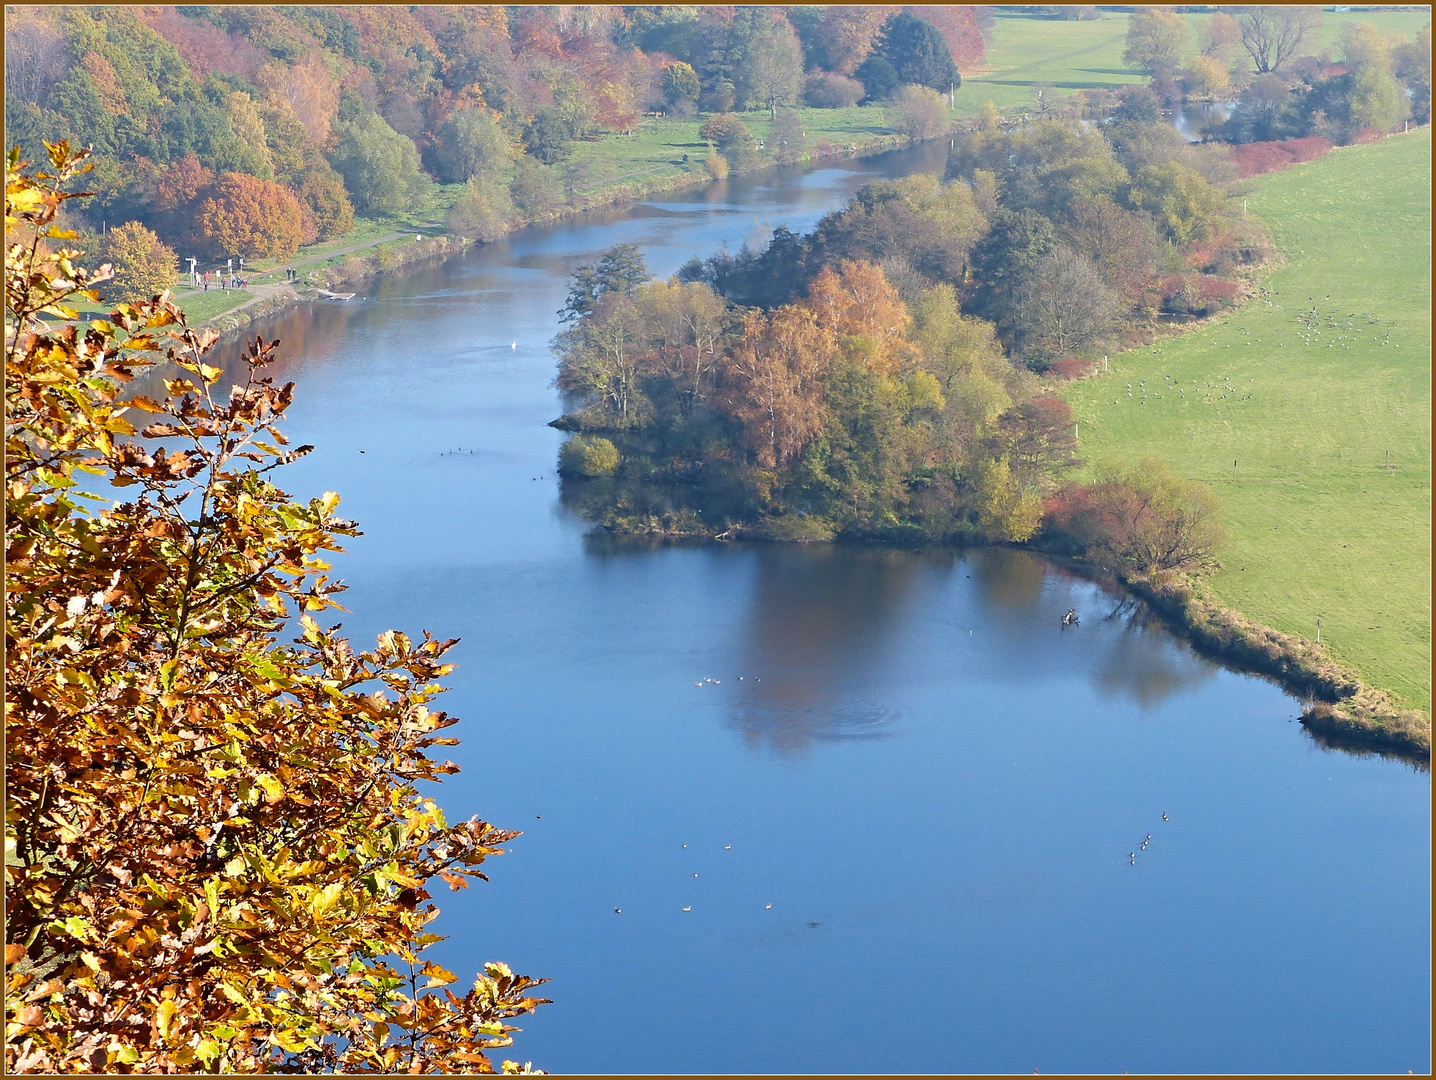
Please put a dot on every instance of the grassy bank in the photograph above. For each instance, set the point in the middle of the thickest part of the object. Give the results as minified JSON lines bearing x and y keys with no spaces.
{"x":1318,"y":524}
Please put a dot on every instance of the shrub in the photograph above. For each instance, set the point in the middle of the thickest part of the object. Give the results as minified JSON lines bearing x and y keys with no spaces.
{"x":144,"y":267}
{"x":1256,"y":158}
{"x":1069,"y":367}
{"x":829,"y":90}
{"x":717,"y":165}
{"x":587,"y":457}
{"x":1141,"y":517}
{"x":251,"y":217}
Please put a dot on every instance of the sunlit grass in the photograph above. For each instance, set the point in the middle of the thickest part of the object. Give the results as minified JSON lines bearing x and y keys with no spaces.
{"x":1318,"y":525}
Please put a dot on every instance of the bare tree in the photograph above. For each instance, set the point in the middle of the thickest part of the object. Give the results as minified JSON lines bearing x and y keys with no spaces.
{"x":1272,"y":34}
{"x":1065,"y":305}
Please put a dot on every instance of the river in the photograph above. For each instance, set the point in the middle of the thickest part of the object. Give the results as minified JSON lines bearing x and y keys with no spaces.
{"x":894,"y":832}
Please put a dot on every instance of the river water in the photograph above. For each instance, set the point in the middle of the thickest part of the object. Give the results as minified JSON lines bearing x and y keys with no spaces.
{"x":894,"y":832}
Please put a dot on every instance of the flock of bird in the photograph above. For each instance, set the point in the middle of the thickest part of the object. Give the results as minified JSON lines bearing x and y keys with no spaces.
{"x":717,"y":682}
{"x":726,"y":847}
{"x":1346,"y":329}
{"x":1147,"y":841}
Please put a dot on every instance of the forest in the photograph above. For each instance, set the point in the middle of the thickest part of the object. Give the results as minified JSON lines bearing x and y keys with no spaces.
{"x":890,"y":375}
{"x":249,"y":131}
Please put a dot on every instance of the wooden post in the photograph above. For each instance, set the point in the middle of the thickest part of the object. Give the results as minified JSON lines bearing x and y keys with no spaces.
{"x":1318,"y":629}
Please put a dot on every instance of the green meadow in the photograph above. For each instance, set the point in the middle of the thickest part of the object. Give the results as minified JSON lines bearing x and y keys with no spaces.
{"x":1290,"y":416}
{"x":1026,"y":53}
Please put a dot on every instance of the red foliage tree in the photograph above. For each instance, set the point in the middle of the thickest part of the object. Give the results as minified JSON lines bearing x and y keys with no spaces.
{"x":958,"y":25}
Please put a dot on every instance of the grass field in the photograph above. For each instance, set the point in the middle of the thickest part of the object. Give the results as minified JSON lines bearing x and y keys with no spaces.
{"x":657,"y":146}
{"x":1317,"y":524}
{"x":1067,"y":56}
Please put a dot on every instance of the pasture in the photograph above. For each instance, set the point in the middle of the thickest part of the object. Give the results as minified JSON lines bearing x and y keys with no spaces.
{"x":1289,"y":406}
{"x":1026,"y":52}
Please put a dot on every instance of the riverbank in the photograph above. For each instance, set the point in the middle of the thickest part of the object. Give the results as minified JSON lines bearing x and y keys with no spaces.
{"x":391,"y":258}
{"x":1338,"y":705}
{"x":1321,"y":458}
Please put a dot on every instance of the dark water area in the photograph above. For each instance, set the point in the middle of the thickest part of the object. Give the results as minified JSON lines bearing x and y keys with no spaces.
{"x":893,"y":833}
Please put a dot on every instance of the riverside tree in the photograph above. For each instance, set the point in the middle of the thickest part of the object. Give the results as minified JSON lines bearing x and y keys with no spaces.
{"x":216,"y":854}
{"x":143,"y":265}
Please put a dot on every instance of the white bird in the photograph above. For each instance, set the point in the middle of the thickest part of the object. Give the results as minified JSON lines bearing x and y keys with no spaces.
{"x":769,"y":907}
{"x":727,"y":847}
{"x":513,"y":345}
{"x":688,"y":909}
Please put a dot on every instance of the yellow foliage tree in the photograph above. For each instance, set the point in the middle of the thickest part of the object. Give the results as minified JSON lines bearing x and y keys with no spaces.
{"x":144,"y":266}
{"x":216,"y":855}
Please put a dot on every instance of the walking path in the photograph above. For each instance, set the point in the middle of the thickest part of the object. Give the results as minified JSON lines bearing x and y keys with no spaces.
{"x":266,"y":290}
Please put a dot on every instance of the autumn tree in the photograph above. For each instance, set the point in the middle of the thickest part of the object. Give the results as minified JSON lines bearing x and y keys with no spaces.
{"x":1144,"y":518}
{"x":217,"y":852}
{"x":772,"y":72}
{"x":1219,"y":36}
{"x":244,"y":215}
{"x":322,"y":193}
{"x":1155,"y":37}
{"x":143,"y":265}
{"x":773,"y":382}
{"x":681,"y":87}
{"x":1064,"y":306}
{"x":857,"y":303}
{"x":848,"y":33}
{"x":1205,"y":76}
{"x":919,"y":113}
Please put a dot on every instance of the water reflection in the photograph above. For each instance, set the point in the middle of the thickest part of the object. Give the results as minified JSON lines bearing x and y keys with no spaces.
{"x":820,"y":622}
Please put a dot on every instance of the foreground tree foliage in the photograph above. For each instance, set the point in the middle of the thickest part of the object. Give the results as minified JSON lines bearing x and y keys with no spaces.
{"x":216,"y":855}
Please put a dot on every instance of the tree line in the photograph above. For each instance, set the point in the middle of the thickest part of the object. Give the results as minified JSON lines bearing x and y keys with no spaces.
{"x":247,"y":131}
{"x":1269,"y":62}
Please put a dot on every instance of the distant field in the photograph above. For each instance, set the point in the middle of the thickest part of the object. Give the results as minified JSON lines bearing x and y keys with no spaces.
{"x":1026,"y":53}
{"x":658,"y":145}
{"x":1318,"y":525}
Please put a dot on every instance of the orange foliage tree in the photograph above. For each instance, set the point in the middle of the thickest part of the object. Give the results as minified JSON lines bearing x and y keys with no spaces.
{"x":773,"y":377}
{"x":244,"y":215}
{"x":216,"y":855}
{"x":857,"y":302}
